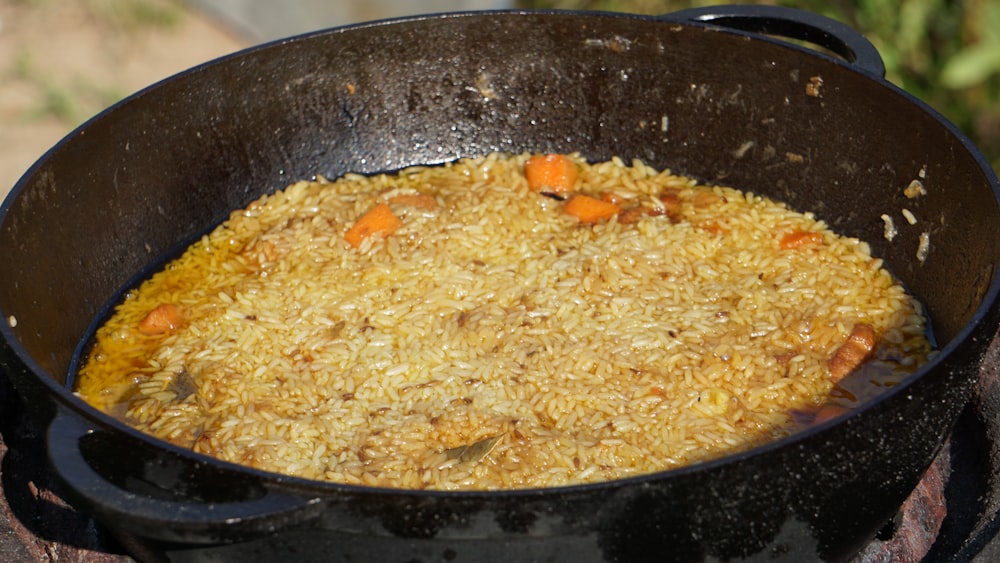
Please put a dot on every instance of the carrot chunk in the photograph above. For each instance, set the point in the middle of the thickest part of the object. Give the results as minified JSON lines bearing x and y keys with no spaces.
{"x":551,"y":173}
{"x":590,"y":209}
{"x":379,"y":220}
{"x":164,"y":319}
{"x":421,"y":201}
{"x":853,"y":352}
{"x":796,"y":239}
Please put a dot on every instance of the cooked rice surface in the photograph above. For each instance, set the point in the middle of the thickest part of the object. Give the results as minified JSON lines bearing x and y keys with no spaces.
{"x":562,"y":352}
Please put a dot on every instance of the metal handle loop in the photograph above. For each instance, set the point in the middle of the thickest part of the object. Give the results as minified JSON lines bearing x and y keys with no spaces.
{"x":792,"y":23}
{"x":169,"y":520}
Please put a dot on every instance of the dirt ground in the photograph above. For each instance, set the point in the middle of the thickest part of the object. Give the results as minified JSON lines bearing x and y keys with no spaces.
{"x":63,"y":61}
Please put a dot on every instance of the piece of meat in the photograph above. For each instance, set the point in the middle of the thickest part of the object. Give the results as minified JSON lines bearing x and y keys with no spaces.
{"x":853,"y":352}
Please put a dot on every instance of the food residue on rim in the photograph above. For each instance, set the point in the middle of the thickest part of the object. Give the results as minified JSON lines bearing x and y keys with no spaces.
{"x":616,"y":44}
{"x":924,"y":247}
{"x":484,"y":87}
{"x":742,"y":150}
{"x":915,"y":189}
{"x":815,"y":87}
{"x":889,"y":231}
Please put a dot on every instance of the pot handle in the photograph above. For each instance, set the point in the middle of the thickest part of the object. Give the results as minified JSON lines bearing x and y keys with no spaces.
{"x":261,"y":511}
{"x":792,"y":23}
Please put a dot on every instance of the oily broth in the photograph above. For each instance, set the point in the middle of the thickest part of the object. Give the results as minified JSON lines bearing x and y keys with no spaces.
{"x":611,"y":358}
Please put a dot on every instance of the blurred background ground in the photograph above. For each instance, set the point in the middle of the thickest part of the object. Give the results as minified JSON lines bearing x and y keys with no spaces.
{"x":62,"y":61}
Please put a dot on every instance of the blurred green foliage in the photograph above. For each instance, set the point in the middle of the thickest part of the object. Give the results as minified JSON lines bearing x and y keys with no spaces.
{"x":945,"y":52}
{"x":136,"y":15}
{"x":123,"y":15}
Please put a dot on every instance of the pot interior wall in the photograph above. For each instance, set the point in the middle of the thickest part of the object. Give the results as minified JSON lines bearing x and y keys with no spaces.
{"x":146,"y":176}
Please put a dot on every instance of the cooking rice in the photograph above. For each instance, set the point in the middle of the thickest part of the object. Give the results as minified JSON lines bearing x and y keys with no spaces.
{"x":494,"y":340}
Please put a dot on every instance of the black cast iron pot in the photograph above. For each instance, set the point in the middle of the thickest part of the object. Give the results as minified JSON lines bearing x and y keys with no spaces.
{"x":706,"y":93}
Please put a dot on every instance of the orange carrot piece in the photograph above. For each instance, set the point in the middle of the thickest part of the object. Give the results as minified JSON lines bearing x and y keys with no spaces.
{"x":853,"y":352}
{"x":379,"y":220}
{"x":164,"y":319}
{"x":590,"y":209}
{"x":551,"y":173}
{"x":796,"y":239}
{"x":422,"y":201}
